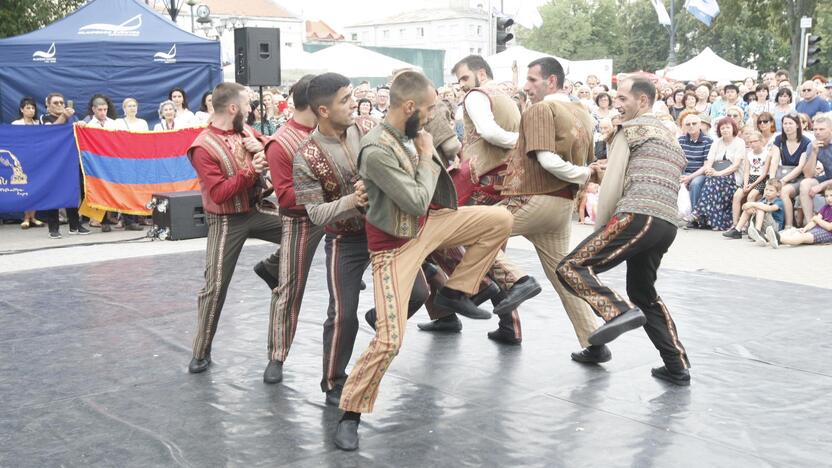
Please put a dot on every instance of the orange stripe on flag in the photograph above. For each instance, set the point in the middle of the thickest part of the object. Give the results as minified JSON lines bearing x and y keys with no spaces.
{"x":129,"y":198}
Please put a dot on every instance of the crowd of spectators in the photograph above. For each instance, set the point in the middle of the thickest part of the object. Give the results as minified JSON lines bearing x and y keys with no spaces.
{"x":759,"y":153}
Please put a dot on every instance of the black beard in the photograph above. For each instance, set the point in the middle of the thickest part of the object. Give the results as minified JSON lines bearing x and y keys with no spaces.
{"x":237,"y":123}
{"x":411,"y":126}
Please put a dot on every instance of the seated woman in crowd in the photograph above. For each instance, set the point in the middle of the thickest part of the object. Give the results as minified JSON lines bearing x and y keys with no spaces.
{"x":27,"y":113}
{"x":255,"y":120}
{"x":603,"y":108}
{"x":817,"y":231}
{"x":721,"y":178}
{"x":783,"y":104}
{"x":766,"y":126}
{"x":736,"y":113}
{"x":167,"y":117}
{"x":184,"y":117}
{"x":754,"y":175}
{"x":365,"y":107}
{"x":761,"y":103}
{"x":789,"y":154}
{"x":703,"y":94}
{"x":806,"y":126}
{"x":206,"y":109}
{"x":678,"y":104}
{"x":130,"y":122}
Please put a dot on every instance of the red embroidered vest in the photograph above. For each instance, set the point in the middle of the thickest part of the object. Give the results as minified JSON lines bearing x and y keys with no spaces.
{"x":230,"y":164}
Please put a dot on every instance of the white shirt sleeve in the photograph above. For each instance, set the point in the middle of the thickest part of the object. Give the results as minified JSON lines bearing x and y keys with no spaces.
{"x":563,"y":170}
{"x":478,"y":107}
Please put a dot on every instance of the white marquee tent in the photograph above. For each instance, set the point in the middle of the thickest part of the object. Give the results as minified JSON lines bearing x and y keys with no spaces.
{"x":576,"y":70}
{"x":709,"y":66}
{"x":353,"y":61}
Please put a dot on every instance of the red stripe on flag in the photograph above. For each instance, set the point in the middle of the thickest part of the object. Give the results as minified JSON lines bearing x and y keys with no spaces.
{"x":141,"y":145}
{"x":129,"y":198}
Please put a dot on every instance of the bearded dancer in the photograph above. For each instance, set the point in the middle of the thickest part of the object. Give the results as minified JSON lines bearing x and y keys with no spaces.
{"x":228,"y":160}
{"x":327,"y":185}
{"x":300,"y":236}
{"x":542,"y":179}
{"x":491,"y":121}
{"x":638,"y":212}
{"x":411,"y":212}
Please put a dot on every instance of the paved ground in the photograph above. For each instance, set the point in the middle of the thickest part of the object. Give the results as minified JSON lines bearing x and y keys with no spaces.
{"x":93,"y":369}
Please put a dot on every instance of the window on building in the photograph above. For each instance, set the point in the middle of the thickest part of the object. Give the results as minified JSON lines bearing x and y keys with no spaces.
{"x":354,"y":36}
{"x":385,"y":34}
{"x":471,"y":51}
{"x":479,"y":31}
{"x":287,"y":44}
{"x":420,"y":32}
{"x":479,"y":51}
{"x":402,"y":33}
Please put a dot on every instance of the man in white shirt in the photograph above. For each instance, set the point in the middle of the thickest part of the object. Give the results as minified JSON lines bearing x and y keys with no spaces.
{"x":99,"y":118}
{"x":543,"y":176}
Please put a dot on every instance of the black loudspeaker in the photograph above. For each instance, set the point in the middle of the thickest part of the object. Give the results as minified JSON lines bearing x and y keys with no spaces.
{"x":178,"y":215}
{"x":257,"y":56}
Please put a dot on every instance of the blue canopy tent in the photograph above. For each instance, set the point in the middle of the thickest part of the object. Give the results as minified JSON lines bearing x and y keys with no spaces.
{"x":117,"y":47}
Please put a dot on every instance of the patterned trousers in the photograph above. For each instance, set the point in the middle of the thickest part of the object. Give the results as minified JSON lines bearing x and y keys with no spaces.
{"x":226,"y":236}
{"x":481,"y":229}
{"x":299,"y":241}
{"x":641,"y":241}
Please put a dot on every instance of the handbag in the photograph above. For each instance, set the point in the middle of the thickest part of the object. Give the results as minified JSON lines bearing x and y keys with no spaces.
{"x":783,"y":171}
{"x":722,"y":164}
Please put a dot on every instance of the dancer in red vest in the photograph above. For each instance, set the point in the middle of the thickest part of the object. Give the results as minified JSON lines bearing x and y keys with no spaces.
{"x":229,"y":160}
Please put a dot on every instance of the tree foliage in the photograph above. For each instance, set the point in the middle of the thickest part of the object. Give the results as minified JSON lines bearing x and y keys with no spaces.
{"x":23,"y":16}
{"x":752,"y":33}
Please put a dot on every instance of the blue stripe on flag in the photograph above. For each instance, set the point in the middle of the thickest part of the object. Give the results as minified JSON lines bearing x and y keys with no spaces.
{"x":137,"y":171}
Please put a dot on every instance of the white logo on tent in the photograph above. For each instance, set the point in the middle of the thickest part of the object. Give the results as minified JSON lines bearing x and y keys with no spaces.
{"x":127,"y":28}
{"x":169,"y":57}
{"x":45,"y":57}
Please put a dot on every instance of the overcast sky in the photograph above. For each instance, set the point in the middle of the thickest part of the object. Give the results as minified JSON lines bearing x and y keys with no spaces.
{"x":339,"y":13}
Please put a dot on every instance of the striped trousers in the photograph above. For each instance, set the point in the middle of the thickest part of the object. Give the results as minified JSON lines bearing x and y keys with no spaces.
{"x":226,"y":236}
{"x":482,"y":229}
{"x":641,"y":241}
{"x":299,"y":241}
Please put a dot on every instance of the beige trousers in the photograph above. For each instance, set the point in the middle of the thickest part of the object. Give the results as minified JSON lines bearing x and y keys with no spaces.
{"x":546,"y":221}
{"x":482,"y":230}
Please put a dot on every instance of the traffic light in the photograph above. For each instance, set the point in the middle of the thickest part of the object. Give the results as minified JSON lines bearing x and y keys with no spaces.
{"x":812,"y":51}
{"x":503,"y":36}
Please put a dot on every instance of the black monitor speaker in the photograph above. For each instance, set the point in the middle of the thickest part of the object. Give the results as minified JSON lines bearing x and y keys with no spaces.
{"x":257,"y":56}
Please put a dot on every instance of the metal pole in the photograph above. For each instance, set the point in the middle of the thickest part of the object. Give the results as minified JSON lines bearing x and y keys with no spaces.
{"x":671,"y":56}
{"x":800,"y":60}
{"x":192,"y":20}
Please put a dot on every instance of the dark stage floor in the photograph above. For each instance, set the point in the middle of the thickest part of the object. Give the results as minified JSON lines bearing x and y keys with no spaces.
{"x":93,"y":373}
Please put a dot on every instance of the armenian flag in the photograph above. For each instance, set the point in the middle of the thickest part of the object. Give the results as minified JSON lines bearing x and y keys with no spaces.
{"x":122,"y":170}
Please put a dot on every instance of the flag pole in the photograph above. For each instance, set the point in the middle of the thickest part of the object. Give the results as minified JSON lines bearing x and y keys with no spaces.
{"x":671,"y":56}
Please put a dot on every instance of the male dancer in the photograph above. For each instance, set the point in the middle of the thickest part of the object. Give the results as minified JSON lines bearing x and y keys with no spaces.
{"x":491,"y":121}
{"x":300,"y":236}
{"x":543,"y":175}
{"x":638,"y":215}
{"x":228,"y":161}
{"x":411,"y":212}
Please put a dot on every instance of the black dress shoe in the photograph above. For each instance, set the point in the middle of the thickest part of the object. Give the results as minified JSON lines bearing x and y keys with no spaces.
{"x":681,"y":378}
{"x":630,"y":320}
{"x":460,"y":303}
{"x":263,"y":272}
{"x":346,"y":435}
{"x":273,"y":373}
{"x":593,"y":355}
{"x":485,"y":294}
{"x":333,"y":397}
{"x":519,"y":293}
{"x":503,"y":336}
{"x":133,"y":227}
{"x":370,"y":317}
{"x":429,"y":269}
{"x":199,"y":365}
{"x":450,"y":324}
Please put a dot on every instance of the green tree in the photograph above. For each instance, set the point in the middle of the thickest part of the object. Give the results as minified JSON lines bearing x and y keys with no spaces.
{"x":22,"y":16}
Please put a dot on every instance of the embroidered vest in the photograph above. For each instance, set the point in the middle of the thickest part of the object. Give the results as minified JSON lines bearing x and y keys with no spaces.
{"x":483,"y":155}
{"x":563,"y":128}
{"x":230,"y":163}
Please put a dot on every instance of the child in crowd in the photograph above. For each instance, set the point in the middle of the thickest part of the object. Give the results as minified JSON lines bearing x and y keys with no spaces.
{"x":768,"y":213}
{"x":589,"y":204}
{"x":818,"y":231}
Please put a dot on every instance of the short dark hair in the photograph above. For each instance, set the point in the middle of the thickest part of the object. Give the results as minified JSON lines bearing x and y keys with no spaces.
{"x":550,"y":66}
{"x":184,"y":96}
{"x":224,"y":94}
{"x":474,"y":63}
{"x":322,"y":89}
{"x":27,"y":101}
{"x":298,"y":92}
{"x":782,"y":72}
{"x":783,"y":91}
{"x":362,"y":101}
{"x":731,"y":86}
{"x":408,"y":85}
{"x":643,"y":86}
{"x":794,"y":117}
{"x":52,"y":95}
{"x":602,"y":95}
{"x":735,"y":130}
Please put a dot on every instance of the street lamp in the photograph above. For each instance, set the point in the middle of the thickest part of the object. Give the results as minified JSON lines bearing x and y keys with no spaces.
{"x":192,"y":4}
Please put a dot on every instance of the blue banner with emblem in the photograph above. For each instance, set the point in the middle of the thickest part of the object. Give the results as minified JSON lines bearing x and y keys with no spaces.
{"x":38,"y":168}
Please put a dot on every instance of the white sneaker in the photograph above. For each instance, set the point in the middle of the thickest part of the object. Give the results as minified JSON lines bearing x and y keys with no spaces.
{"x":772,"y":237}
{"x":754,"y":234}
